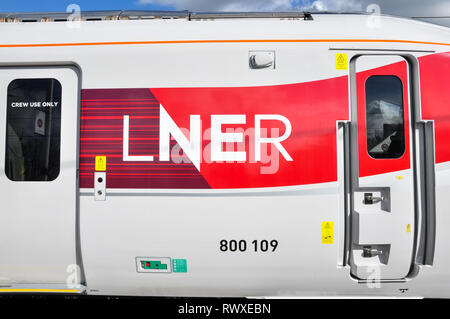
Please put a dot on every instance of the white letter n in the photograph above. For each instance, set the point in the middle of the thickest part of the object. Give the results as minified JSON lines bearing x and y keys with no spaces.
{"x":191,"y":147}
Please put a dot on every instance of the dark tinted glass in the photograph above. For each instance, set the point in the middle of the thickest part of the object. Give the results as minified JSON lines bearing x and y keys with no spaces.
{"x":384,"y":117}
{"x":33,"y":132}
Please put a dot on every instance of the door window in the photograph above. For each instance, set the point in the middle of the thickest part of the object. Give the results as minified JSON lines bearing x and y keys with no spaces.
{"x":33,"y":133}
{"x":384,"y":117}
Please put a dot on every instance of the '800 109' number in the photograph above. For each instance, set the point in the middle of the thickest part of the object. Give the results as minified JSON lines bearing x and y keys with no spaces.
{"x":255,"y":246}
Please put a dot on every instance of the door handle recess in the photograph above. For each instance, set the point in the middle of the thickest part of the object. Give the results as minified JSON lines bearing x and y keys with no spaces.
{"x":369,"y":199}
{"x":262,"y":59}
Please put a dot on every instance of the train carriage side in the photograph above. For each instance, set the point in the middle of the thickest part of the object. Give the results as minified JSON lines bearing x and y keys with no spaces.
{"x":225,"y":157}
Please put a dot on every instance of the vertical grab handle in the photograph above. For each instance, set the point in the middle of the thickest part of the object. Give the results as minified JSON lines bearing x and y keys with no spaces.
{"x":344,"y":178}
{"x":426,"y":190}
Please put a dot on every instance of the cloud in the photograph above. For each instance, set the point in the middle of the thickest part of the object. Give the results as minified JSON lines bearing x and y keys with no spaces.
{"x":226,"y":5}
{"x":258,"y":5}
{"x":335,"y":5}
{"x":407,"y":8}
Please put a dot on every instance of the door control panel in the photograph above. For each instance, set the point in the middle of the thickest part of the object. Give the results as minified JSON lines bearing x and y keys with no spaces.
{"x":100,"y":186}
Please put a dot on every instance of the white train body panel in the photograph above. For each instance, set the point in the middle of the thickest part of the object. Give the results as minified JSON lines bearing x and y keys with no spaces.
{"x":127,"y":85}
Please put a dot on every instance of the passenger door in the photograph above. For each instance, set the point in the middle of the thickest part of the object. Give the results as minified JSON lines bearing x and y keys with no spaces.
{"x":382,"y":175}
{"x":38,"y":177}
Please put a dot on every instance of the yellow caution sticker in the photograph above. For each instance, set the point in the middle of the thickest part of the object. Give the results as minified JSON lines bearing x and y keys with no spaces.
{"x":100,"y":163}
{"x":327,"y":232}
{"x":399,"y":177}
{"x":340,"y":61}
{"x":408,"y":228}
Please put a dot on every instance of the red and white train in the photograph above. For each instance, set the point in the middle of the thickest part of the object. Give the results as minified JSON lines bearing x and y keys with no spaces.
{"x":224,"y":154}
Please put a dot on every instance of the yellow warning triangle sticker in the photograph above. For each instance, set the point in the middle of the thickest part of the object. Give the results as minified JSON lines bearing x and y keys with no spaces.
{"x":340,"y":61}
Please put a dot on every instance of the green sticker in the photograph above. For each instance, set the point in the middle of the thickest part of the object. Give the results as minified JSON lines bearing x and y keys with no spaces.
{"x":179,"y":265}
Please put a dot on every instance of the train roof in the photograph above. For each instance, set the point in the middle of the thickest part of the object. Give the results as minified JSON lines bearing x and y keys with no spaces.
{"x":152,"y":14}
{"x":155,"y":14}
{"x":112,"y":15}
{"x":123,"y":25}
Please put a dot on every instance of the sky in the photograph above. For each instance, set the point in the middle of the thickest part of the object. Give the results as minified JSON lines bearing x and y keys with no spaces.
{"x":408,"y":8}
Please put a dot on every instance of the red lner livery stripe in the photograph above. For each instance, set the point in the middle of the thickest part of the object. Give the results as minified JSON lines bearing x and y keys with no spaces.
{"x":312,"y":109}
{"x":435,"y":96}
{"x":102,"y":113}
